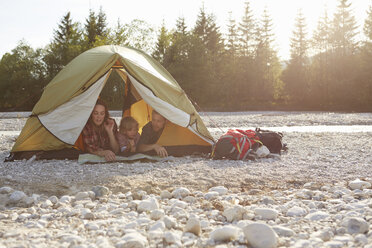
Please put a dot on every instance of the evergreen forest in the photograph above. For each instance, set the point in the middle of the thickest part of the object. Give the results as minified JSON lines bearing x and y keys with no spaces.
{"x":330,"y":68}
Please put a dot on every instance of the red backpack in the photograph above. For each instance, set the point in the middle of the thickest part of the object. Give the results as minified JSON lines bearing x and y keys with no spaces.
{"x":236,"y":144}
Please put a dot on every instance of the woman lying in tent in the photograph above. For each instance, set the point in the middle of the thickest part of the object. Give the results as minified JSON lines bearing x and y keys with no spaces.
{"x":99,"y":134}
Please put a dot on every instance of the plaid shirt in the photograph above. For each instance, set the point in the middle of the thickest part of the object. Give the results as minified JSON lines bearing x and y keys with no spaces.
{"x":97,"y":140}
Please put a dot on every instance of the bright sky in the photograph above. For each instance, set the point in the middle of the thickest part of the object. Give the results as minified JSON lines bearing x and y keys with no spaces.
{"x":35,"y":20}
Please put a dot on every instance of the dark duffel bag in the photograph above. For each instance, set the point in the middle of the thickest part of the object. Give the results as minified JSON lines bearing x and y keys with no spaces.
{"x":272,"y":140}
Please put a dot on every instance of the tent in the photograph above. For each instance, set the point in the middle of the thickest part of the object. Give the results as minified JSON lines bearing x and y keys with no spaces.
{"x":67,"y":101}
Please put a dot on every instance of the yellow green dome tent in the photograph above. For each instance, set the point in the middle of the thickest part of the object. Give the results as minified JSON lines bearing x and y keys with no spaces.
{"x":63,"y":110}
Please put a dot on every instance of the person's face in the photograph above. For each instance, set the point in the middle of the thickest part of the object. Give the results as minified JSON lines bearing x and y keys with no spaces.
{"x":131,"y":133}
{"x":98,"y":115}
{"x":158,"y":122}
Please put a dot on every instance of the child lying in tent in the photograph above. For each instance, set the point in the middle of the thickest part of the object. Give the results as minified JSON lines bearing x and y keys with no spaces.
{"x":128,"y":135}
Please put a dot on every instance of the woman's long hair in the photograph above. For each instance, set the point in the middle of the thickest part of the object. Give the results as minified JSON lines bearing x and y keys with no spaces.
{"x":107,"y":114}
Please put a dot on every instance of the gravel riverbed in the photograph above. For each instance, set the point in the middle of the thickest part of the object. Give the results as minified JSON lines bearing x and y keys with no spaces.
{"x":317,"y":194}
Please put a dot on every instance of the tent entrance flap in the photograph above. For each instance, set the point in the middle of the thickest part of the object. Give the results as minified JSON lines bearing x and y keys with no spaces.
{"x":67,"y":121}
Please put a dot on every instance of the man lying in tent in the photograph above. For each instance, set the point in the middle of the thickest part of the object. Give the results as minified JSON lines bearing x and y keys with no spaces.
{"x":151,"y":133}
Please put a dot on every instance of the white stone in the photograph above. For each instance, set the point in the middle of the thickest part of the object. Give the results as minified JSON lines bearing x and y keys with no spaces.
{"x":234,"y":213}
{"x":132,"y":240}
{"x":355,"y":225}
{"x":359,"y":184}
{"x":92,"y":226}
{"x":159,"y":225}
{"x":211,"y":195}
{"x":17,"y":196}
{"x":180,"y":204}
{"x":325,"y":235}
{"x":172,"y":238}
{"x":361,"y":239}
{"x":157,"y":214}
{"x":72,"y":238}
{"x":148,"y":205}
{"x":318,"y":215}
{"x":260,"y":235}
{"x":165,"y":194}
{"x":266,"y":213}
{"x":333,"y":244}
{"x":100,"y":191}
{"x":180,"y":192}
{"x":86,"y":213}
{"x":169,"y":222}
{"x":47,"y":204}
{"x":283,"y":231}
{"x":6,"y":190}
{"x":189,"y":199}
{"x":296,"y":211}
{"x":225,"y":233}
{"x":65,"y":199}
{"x":221,"y":190}
{"x":193,"y":226}
{"x":155,"y":234}
{"x":53,"y":199}
{"x":81,"y":196}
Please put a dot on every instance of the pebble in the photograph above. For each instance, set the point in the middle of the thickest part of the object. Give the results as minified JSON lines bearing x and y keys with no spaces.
{"x":157,"y":214}
{"x":266,"y":213}
{"x":17,"y":196}
{"x":180,"y":192}
{"x":148,"y":205}
{"x":100,"y":191}
{"x":6,"y":190}
{"x":81,"y":196}
{"x":260,"y":235}
{"x":225,"y":233}
{"x":221,"y":190}
{"x":132,"y":240}
{"x":355,"y":225}
{"x":312,"y":216}
{"x":318,"y":215}
{"x":234,"y":213}
{"x":296,"y":211}
{"x":193,"y":226}
{"x":359,"y":184}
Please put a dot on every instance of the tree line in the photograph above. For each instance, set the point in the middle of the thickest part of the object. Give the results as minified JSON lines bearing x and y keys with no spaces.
{"x":236,"y":70}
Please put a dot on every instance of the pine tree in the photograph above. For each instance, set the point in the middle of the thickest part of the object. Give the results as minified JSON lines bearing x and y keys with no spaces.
{"x":162,"y":44}
{"x":232,"y":37}
{"x":267,"y":64}
{"x":367,"y":28}
{"x":246,"y":29}
{"x":344,"y":29}
{"x":102,"y":30}
{"x":320,"y":70}
{"x":65,"y":46}
{"x":118,"y":35}
{"x":91,"y":29}
{"x":295,"y":76}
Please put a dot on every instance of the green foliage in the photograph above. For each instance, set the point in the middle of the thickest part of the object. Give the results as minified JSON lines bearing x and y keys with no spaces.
{"x":21,"y":77}
{"x":332,"y":71}
{"x":65,"y":46}
{"x":295,"y":75}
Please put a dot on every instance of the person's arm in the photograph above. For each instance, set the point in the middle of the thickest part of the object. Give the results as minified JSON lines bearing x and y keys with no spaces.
{"x":109,"y":127}
{"x":92,"y":148}
{"x":108,"y":154}
{"x":161,"y":151}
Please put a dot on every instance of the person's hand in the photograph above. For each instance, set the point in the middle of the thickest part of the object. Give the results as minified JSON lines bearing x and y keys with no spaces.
{"x":109,"y":125}
{"x":109,"y":155}
{"x":132,"y":146}
{"x":161,"y":151}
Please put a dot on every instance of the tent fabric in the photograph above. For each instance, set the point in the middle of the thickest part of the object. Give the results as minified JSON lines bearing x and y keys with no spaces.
{"x":84,"y":76}
{"x":65,"y":121}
